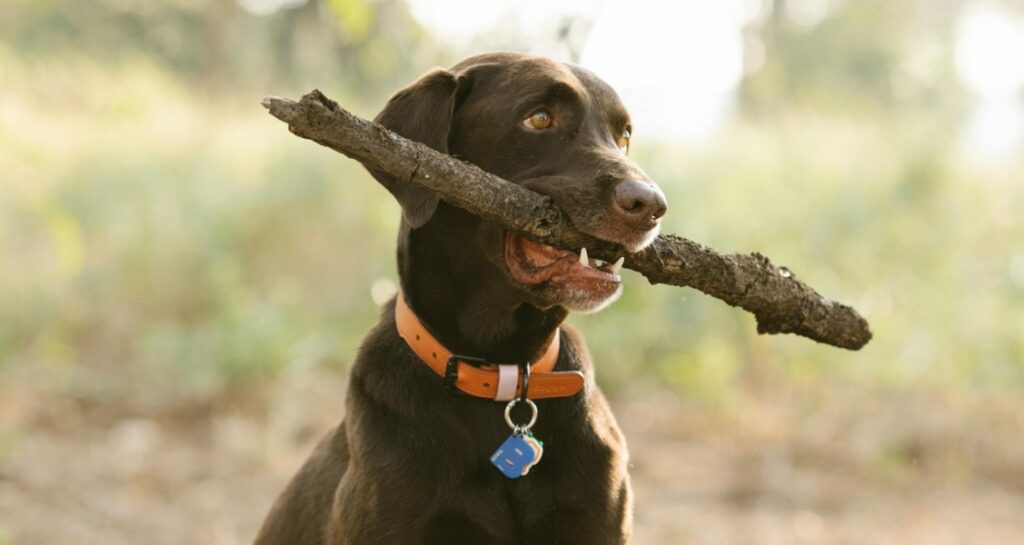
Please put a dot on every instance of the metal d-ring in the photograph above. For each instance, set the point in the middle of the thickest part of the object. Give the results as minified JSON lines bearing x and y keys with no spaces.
{"x":508,"y":415}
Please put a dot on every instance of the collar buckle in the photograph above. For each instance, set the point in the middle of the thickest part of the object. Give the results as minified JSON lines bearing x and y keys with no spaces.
{"x":451,"y":370}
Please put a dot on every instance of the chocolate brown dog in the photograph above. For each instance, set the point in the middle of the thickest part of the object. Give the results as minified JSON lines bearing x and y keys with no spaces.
{"x":412,"y":461}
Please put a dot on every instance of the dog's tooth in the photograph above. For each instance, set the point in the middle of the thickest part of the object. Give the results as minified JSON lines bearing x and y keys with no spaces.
{"x":584,"y":260}
{"x":617,"y":266}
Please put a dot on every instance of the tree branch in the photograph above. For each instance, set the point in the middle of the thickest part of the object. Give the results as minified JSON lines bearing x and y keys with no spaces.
{"x":780,"y":302}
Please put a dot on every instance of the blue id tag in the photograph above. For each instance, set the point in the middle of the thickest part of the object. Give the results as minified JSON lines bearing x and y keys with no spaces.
{"x":513,"y":457}
{"x":517,"y":455}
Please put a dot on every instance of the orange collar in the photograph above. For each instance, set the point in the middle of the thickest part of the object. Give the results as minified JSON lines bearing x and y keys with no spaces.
{"x":493,"y":381}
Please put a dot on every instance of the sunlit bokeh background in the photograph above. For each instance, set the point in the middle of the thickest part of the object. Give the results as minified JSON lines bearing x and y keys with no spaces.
{"x":183,"y":283}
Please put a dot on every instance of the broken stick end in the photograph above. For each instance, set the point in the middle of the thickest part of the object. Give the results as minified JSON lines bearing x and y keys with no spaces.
{"x":279,"y":107}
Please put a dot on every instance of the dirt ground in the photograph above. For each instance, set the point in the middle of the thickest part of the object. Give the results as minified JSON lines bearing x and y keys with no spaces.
{"x":207,"y":475}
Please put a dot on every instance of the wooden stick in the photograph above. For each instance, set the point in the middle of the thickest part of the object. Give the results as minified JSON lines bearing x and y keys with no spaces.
{"x":779,"y":301}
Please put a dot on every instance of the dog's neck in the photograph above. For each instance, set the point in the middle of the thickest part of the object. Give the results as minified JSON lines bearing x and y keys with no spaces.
{"x":464,"y":299}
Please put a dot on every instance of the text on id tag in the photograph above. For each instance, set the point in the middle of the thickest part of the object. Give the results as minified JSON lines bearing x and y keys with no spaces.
{"x":515,"y":456}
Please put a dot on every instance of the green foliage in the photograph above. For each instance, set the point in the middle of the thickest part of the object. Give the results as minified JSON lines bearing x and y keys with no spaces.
{"x":175,"y":249}
{"x":218,"y":46}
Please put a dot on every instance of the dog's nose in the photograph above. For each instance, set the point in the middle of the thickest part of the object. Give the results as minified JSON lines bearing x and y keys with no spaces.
{"x":639,"y":203}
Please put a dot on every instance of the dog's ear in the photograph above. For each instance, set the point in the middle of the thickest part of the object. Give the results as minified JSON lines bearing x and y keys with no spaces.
{"x":421,"y":112}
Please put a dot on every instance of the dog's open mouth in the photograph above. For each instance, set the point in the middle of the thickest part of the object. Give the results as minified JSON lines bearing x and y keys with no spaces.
{"x":534,"y":263}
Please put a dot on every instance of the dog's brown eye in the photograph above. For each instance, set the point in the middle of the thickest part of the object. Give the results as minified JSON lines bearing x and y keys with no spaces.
{"x":624,"y":140}
{"x":538,"y":120}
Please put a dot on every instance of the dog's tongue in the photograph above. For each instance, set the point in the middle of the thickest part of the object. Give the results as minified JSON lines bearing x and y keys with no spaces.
{"x":532,"y":263}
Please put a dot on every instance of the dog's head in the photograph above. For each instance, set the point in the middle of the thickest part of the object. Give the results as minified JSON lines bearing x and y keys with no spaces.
{"x":551,"y":127}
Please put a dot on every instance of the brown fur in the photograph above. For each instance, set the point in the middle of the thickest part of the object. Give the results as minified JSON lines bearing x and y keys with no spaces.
{"x":410,"y":463}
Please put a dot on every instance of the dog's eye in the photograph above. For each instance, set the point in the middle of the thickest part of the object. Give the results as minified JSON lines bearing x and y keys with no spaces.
{"x":624,"y":140}
{"x":538,"y":120}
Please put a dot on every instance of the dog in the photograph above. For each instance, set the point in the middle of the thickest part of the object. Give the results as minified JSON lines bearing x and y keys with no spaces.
{"x":437,"y":446}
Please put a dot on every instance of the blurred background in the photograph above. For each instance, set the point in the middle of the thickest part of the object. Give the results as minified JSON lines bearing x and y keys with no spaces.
{"x":183,"y":283}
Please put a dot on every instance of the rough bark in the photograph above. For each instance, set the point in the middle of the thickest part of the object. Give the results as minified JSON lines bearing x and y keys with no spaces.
{"x":779,"y":301}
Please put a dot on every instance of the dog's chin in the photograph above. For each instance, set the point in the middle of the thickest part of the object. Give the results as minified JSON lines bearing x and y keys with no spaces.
{"x":584,"y":302}
{"x":561,"y":277}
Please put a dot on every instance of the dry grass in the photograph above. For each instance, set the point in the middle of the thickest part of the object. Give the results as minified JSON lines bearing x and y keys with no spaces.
{"x":828,"y":466}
